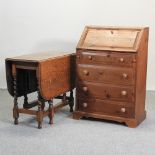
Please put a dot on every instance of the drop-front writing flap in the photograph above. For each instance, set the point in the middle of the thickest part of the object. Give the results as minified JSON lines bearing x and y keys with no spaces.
{"x":116,"y":39}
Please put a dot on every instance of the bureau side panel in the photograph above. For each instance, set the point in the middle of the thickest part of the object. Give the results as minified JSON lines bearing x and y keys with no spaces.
{"x":56,"y":76}
{"x":141,"y":76}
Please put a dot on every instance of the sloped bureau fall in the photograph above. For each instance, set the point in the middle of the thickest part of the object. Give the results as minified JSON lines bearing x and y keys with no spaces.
{"x":111,"y":74}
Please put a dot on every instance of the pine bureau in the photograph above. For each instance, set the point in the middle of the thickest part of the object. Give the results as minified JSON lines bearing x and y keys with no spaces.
{"x":111,"y":67}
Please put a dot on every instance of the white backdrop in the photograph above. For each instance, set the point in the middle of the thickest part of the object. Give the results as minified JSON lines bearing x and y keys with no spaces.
{"x":28,"y":26}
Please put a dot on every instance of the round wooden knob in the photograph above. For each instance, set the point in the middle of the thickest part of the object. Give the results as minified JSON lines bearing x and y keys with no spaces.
{"x":90,"y":57}
{"x":123,"y":110}
{"x":134,"y":60}
{"x":85,"y":89}
{"x":85,"y":72}
{"x":78,"y":57}
{"x":101,"y":73}
{"x":85,"y":105}
{"x":108,"y":96}
{"x":121,"y":60}
{"x":124,"y":75}
{"x":123,"y":93}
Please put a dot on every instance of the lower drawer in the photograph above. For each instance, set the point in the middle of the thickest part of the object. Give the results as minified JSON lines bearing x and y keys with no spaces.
{"x":105,"y":91}
{"x":113,"y":108}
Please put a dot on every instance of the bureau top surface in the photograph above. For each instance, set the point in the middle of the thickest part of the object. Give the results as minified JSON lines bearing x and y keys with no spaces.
{"x":41,"y":56}
{"x":111,"y":38}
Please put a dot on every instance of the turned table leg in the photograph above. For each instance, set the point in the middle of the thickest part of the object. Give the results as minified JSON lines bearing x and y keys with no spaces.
{"x":25,"y":101}
{"x":64,"y":98}
{"x":40,"y":111}
{"x":71,"y":101}
{"x":15,"y":108}
{"x":51,"y":111}
{"x":15,"y":111}
{"x":43,"y":104}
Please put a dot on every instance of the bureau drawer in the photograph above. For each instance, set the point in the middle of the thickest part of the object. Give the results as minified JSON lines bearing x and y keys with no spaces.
{"x":106,"y":74}
{"x":97,"y":106}
{"x":105,"y":91}
{"x":110,"y":58}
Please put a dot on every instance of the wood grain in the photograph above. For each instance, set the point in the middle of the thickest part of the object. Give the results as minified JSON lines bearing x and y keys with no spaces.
{"x":58,"y":75}
{"x":110,"y":38}
{"x":111,"y":74}
{"x":106,"y":74}
{"x":51,"y":75}
{"x":105,"y":91}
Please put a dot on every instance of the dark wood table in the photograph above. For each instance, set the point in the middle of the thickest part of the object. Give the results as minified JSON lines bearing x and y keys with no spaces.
{"x":50,"y":74}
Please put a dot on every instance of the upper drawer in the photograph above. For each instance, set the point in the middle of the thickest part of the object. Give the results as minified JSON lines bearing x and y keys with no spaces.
{"x":106,"y":74}
{"x":110,"y":58}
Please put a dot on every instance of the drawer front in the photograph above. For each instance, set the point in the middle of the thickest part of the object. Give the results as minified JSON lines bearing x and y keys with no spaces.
{"x":106,"y":74}
{"x":110,"y":58}
{"x":105,"y":91}
{"x":105,"y":107}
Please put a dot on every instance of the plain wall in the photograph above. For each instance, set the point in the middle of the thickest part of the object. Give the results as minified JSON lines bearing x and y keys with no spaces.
{"x":28,"y":26}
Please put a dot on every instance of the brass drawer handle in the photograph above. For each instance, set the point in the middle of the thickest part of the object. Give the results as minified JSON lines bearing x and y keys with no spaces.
{"x":85,"y":105}
{"x":123,"y":93}
{"x":90,"y":57}
{"x":85,"y":89}
{"x":121,"y":59}
{"x":85,"y":72}
{"x":123,"y":110}
{"x":125,"y":76}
